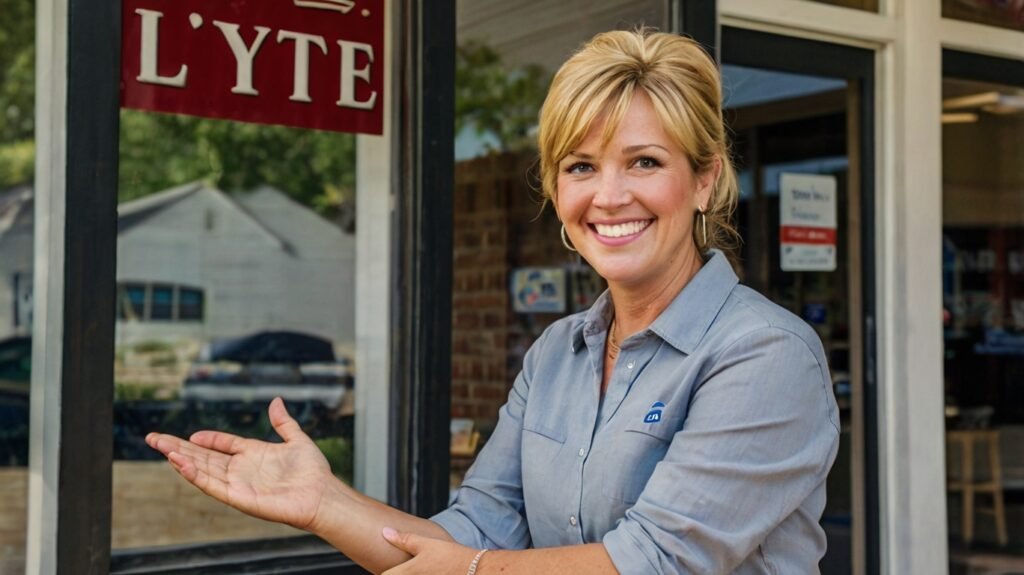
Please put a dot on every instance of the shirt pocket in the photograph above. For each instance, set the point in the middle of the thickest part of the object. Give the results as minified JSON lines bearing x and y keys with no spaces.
{"x":636,"y":451}
{"x":541,"y":445}
{"x":542,"y":442}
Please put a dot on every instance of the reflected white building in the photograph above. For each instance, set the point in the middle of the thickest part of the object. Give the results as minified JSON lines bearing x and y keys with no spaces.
{"x":195,"y":263}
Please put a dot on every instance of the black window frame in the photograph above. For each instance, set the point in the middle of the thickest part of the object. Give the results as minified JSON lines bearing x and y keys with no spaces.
{"x":424,"y":141}
{"x":144,"y":310}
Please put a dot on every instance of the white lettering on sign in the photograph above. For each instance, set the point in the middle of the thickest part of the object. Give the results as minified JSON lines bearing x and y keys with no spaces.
{"x":300,"y":84}
{"x":149,"y":50}
{"x":349,"y":74}
{"x":245,"y":56}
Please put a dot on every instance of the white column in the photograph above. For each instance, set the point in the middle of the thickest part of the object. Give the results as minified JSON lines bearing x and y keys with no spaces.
{"x":909,"y":216}
{"x":48,"y":312}
{"x":374,"y":219}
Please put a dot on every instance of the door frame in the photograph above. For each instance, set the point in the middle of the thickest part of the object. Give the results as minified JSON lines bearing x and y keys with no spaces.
{"x":857,"y":65}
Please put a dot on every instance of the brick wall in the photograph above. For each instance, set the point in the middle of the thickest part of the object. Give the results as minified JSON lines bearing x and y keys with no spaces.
{"x":499,"y":226}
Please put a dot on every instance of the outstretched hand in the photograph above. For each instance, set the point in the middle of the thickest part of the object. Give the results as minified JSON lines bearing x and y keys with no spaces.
{"x":283,"y":482}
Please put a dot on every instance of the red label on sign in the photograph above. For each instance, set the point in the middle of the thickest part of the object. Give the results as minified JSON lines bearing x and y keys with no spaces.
{"x":307,"y":63}
{"x":807,"y":235}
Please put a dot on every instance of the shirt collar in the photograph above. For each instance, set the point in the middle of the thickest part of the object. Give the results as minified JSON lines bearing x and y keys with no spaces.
{"x":685,"y":321}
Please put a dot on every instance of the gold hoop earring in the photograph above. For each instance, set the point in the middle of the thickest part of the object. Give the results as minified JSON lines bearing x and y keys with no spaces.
{"x":704,"y":225}
{"x":565,"y":240}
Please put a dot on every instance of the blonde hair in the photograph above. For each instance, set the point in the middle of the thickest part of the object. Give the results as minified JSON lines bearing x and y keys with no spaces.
{"x":685,"y":89}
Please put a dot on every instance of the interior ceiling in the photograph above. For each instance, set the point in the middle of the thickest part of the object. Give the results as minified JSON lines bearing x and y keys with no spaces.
{"x":546,"y":33}
{"x":744,"y":86}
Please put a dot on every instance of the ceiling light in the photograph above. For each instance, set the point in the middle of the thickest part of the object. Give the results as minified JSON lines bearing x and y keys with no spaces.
{"x":992,"y":102}
{"x":971,"y":101}
{"x":959,"y":118}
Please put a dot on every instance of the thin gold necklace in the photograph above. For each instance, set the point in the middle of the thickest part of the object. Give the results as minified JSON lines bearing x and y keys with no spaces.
{"x":613,"y":342}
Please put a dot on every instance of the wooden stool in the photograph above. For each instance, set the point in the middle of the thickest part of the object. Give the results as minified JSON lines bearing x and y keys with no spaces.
{"x":966,"y":483}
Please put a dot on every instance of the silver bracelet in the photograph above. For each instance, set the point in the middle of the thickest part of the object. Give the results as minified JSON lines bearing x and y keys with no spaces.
{"x":476,"y":562}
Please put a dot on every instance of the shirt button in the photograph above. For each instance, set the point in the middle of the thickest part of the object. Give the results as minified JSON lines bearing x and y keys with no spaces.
{"x":630,"y":365}
{"x":582,"y":452}
{"x":572,"y":520}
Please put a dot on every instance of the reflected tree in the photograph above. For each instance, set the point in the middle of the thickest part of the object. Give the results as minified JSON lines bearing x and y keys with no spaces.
{"x":158,"y":151}
{"x":496,"y":99}
{"x":17,"y":91}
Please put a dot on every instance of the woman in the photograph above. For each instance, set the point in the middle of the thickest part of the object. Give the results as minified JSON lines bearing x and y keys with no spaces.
{"x":684,"y":424}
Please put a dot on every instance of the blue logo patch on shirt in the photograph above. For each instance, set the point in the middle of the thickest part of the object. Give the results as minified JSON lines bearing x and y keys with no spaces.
{"x":654,"y":415}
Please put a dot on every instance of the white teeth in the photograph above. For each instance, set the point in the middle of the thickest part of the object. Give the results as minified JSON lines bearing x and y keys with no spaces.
{"x":624,"y":229}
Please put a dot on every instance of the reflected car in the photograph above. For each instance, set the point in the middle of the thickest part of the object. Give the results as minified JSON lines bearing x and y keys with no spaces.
{"x":15,"y":375}
{"x":298,"y":367}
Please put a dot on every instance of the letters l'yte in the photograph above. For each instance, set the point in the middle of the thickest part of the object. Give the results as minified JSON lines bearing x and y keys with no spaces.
{"x":245,"y":55}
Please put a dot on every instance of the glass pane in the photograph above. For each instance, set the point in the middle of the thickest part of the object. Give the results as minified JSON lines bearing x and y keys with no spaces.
{"x":17,"y":156}
{"x":236,"y":254}
{"x":868,"y":5}
{"x":1001,"y":13}
{"x":786,"y":126}
{"x":162,"y":303}
{"x":983,"y":320}
{"x":190,"y":304}
{"x":506,"y":56}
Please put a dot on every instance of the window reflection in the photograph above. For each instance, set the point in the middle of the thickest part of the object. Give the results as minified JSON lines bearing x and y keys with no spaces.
{"x":236,"y":254}
{"x":983,"y":321}
{"x":17,"y":159}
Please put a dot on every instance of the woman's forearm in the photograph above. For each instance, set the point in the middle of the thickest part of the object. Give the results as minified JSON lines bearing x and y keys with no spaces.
{"x":591,"y":559}
{"x":352,"y":523}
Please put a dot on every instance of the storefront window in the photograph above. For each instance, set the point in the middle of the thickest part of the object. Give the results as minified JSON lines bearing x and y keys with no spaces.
{"x":983,"y":321}
{"x":236,"y":283}
{"x":999,"y":13}
{"x":505,"y":245}
{"x":17,"y":152}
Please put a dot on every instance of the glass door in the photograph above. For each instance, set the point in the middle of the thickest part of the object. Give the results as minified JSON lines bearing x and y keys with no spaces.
{"x":983,"y":310}
{"x":802,"y":133}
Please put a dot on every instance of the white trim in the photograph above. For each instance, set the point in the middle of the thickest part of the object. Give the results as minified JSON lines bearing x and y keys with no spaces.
{"x":48,"y":320}
{"x":981,"y":39}
{"x":910,"y":347}
{"x":810,"y":20}
{"x":374,"y":222}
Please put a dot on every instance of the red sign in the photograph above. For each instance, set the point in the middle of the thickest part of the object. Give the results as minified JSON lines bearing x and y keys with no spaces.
{"x":307,"y":63}
{"x":807,"y":235}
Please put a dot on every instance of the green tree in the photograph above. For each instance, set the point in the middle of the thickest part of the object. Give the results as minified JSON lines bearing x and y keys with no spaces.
{"x":496,"y":99}
{"x":17,"y":90}
{"x":17,"y":69}
{"x":158,"y":151}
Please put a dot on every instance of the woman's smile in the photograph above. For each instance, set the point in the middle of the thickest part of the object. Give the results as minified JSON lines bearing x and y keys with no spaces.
{"x":619,"y":233}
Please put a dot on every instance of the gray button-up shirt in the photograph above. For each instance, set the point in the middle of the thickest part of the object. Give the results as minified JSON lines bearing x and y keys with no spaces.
{"x":707,"y":454}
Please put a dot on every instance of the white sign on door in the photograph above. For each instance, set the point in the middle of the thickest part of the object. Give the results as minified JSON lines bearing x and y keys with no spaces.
{"x":807,"y":223}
